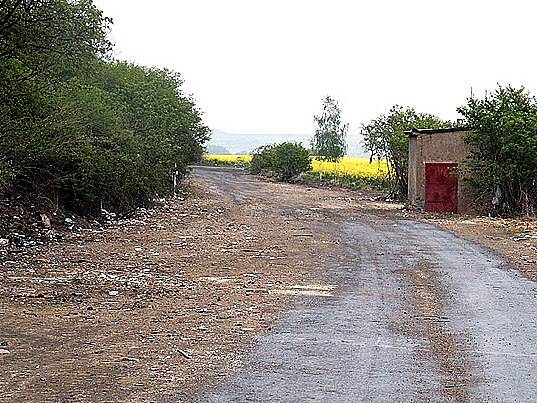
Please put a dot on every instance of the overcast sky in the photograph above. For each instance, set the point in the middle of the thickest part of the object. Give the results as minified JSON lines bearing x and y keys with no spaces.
{"x":264,"y":66}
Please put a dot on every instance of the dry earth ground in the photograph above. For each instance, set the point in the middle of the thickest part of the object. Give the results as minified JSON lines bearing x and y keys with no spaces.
{"x":152,"y":308}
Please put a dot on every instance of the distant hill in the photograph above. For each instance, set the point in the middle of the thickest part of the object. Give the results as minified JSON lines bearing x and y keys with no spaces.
{"x":216,"y":149}
{"x":236,"y":143}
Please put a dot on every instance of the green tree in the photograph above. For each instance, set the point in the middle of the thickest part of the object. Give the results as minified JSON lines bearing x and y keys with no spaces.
{"x":384,"y":137}
{"x":502,"y":165}
{"x":48,"y":40}
{"x":79,"y":131}
{"x":126,"y":130}
{"x":43,"y":44}
{"x":329,"y":141}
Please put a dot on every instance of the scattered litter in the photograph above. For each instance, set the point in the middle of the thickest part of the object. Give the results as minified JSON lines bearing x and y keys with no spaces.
{"x":109,"y":216}
{"x":45,"y":221}
{"x":468,"y":222}
{"x":311,"y":290}
{"x":184,"y":354}
{"x":524,"y":237}
{"x":217,"y":280}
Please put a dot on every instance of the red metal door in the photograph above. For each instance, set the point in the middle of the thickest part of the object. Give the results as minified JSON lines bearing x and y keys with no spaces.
{"x":441,"y":187}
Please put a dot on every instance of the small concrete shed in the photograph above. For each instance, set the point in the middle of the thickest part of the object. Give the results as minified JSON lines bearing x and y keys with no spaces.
{"x":432,"y":155}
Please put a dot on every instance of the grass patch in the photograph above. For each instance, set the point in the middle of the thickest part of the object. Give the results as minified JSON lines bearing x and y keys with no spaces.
{"x":346,"y":181}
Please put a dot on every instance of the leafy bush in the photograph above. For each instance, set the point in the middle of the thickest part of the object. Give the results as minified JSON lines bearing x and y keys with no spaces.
{"x":79,"y":131}
{"x":261,"y":159}
{"x":285,"y":160}
{"x":502,"y":165}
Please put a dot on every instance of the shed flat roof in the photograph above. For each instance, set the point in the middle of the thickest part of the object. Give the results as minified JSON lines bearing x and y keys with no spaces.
{"x":417,"y":132}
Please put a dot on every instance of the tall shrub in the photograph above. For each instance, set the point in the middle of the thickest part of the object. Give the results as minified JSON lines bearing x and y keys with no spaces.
{"x":502,"y":165}
{"x":79,"y":131}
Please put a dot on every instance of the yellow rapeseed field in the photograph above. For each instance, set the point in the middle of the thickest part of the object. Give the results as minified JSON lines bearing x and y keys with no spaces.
{"x":351,"y":166}
{"x":347,"y":166}
{"x":227,"y":158}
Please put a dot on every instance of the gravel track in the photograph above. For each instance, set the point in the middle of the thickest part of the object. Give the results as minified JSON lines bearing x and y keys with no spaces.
{"x":406,"y":312}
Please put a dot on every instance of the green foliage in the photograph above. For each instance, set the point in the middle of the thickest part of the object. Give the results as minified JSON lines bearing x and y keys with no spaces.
{"x":385,"y":138}
{"x":285,"y":160}
{"x":502,"y":165}
{"x":262,"y":159}
{"x":52,"y":39}
{"x":80,"y":132}
{"x":289,"y":160}
{"x":329,"y":141}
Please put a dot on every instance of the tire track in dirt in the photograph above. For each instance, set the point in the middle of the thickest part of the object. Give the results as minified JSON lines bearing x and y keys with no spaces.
{"x":426,"y":300}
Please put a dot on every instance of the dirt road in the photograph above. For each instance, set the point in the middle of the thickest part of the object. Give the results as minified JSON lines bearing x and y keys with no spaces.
{"x":246,"y":290}
{"x":404,"y":312}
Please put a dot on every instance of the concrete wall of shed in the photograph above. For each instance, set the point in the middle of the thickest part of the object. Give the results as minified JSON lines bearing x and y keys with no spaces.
{"x":436,"y":147}
{"x":412,"y":171}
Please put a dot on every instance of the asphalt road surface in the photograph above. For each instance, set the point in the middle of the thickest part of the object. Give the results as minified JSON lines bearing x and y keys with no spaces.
{"x":406,"y":312}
